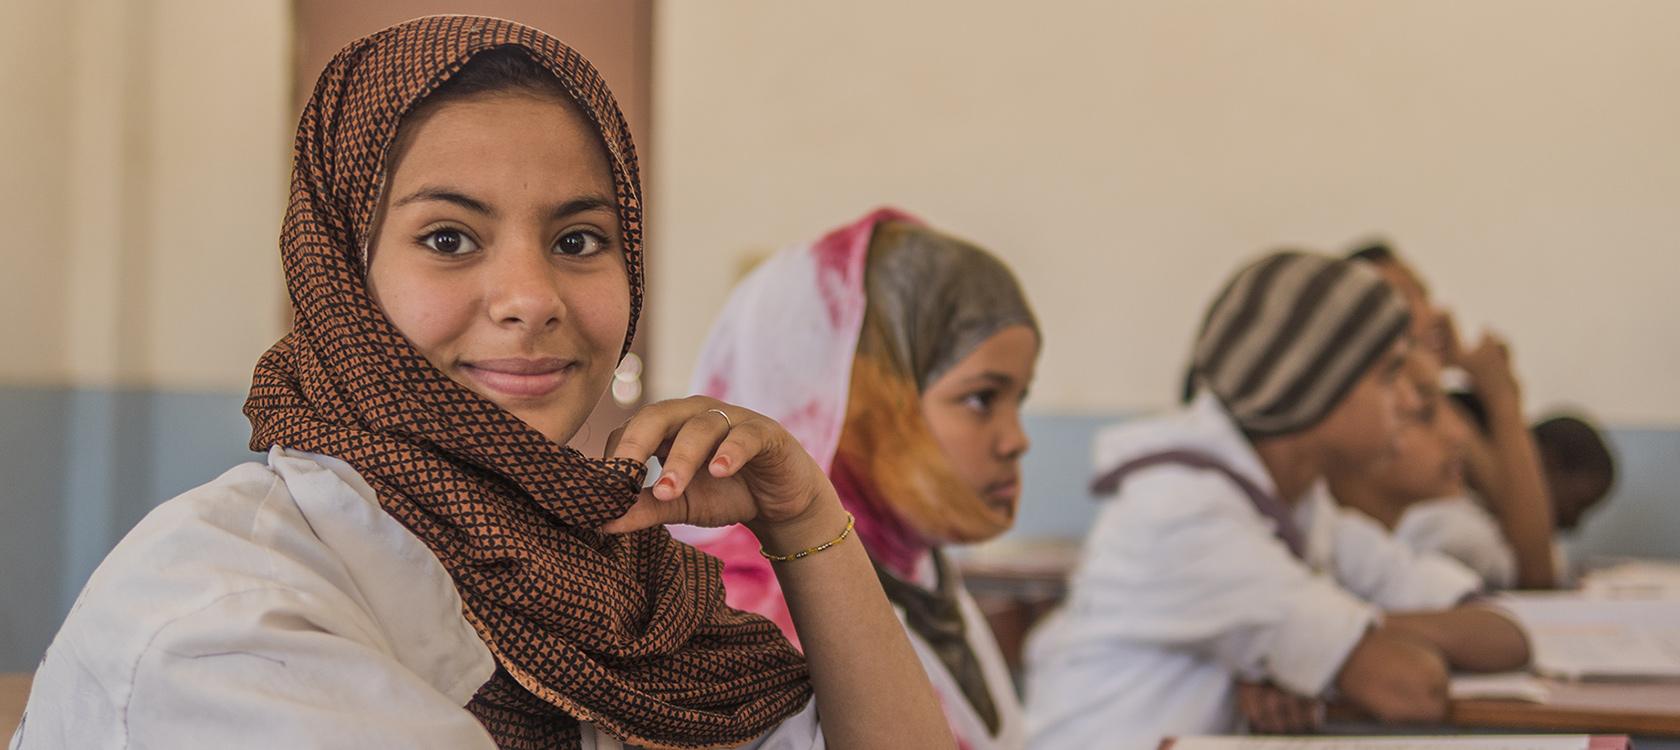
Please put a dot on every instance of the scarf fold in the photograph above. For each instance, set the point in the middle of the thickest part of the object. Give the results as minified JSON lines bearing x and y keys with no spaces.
{"x":629,"y":631}
{"x":936,"y":616}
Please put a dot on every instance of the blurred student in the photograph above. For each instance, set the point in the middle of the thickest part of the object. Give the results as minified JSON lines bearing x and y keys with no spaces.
{"x":1219,"y":569}
{"x":899,"y":356}
{"x":1428,"y":464}
{"x":1504,"y":466}
{"x":1580,"y":472}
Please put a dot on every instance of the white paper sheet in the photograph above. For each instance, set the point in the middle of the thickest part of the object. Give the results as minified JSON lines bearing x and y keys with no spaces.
{"x":1575,"y":636}
{"x":1502,"y":742}
{"x":1516,"y":686}
{"x":1635,"y":579}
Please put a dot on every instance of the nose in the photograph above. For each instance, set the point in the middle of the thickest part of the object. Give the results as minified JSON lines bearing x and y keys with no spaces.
{"x":1408,"y":399}
{"x":1012,"y":441}
{"x":522,"y":288}
{"x":1457,"y":428}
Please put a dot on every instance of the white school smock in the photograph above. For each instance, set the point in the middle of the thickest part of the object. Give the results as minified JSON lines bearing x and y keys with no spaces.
{"x":277,"y":607}
{"x":1182,"y":587}
{"x":1460,"y":528}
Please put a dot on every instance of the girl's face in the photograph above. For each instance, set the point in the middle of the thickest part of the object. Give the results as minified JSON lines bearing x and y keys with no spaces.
{"x":974,"y":413}
{"x":498,"y":254}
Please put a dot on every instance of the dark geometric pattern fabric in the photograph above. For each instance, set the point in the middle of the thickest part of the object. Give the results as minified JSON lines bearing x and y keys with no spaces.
{"x":627,"y":631}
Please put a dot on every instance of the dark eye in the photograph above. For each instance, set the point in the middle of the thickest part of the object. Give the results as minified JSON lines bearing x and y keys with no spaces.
{"x":449,"y":242}
{"x":980,"y":401}
{"x":580,"y":243}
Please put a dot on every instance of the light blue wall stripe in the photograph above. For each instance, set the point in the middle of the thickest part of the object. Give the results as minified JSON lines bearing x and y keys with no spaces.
{"x":32,"y":454}
{"x":79,"y":467}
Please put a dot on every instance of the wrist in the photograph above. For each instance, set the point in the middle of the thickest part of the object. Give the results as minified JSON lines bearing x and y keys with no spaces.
{"x":821,"y":521}
{"x":1503,"y":407}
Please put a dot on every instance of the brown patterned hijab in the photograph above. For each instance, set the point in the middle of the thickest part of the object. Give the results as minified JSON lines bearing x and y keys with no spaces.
{"x":630,"y":631}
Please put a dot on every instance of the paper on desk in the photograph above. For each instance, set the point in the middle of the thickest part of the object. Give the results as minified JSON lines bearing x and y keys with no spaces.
{"x":1510,"y":686}
{"x":1635,"y":579}
{"x":1482,"y":742}
{"x":1574,"y":636}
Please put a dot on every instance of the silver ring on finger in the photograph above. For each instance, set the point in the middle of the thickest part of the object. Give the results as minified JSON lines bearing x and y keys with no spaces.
{"x":728,"y":423}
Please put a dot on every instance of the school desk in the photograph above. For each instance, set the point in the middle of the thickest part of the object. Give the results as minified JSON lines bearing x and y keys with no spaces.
{"x":1645,"y":709}
{"x":14,"y":692}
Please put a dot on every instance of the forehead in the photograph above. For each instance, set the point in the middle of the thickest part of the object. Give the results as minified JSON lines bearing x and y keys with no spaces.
{"x":1401,"y":277}
{"x":1012,"y":350}
{"x":530,"y":139}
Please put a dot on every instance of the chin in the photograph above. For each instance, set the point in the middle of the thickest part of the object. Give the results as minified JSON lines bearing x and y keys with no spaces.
{"x":558,"y":429}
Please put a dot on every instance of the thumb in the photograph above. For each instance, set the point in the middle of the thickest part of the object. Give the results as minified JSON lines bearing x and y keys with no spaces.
{"x":648,"y":512}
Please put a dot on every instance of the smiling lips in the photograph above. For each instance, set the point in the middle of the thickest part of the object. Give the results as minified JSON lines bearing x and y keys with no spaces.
{"x":520,"y":377}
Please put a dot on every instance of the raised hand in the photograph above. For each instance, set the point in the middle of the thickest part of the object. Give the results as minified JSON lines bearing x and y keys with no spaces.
{"x":722,"y":464}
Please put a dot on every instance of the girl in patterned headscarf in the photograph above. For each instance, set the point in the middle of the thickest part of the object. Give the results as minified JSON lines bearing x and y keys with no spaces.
{"x":899,"y":356}
{"x":421,"y":562}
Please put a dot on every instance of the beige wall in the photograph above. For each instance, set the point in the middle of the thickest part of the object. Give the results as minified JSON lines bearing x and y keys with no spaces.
{"x":1125,"y":156}
{"x":153,"y":144}
{"x":33,"y":146}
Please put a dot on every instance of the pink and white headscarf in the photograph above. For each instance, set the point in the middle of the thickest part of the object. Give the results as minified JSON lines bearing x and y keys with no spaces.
{"x":786,"y":345}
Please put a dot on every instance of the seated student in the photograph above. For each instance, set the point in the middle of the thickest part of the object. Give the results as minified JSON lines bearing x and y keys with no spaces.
{"x":421,"y":562}
{"x":1218,"y":556}
{"x":1428,"y":464}
{"x":1504,"y":468}
{"x":899,"y":356}
{"x":1579,"y":471}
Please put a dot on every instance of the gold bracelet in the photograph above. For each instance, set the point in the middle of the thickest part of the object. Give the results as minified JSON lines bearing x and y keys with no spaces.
{"x":804,"y":553}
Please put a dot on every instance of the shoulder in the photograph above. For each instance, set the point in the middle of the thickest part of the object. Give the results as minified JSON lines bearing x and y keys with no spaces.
{"x":288,"y":559}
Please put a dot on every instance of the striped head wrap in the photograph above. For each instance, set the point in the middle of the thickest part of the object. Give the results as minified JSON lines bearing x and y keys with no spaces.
{"x":627,"y":631}
{"x":1290,"y":335}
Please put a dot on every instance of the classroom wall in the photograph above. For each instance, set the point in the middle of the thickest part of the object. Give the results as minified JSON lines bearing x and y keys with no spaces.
{"x":1122,"y":156}
{"x":1125,"y":156}
{"x":144,"y":178}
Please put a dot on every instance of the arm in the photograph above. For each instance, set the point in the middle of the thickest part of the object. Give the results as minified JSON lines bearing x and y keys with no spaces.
{"x":862,"y":666}
{"x":1508,"y":469}
{"x":1471,"y":638}
{"x":870,"y":688}
{"x":1269,"y":709}
{"x":1395,"y":678}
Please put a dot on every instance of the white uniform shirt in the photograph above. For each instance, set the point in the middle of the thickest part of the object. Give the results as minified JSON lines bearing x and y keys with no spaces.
{"x":1460,"y":528}
{"x":276,"y":607}
{"x":1182,"y":587}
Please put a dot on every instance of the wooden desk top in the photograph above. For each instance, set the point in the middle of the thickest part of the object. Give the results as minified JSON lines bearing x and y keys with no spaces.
{"x":14,"y":692}
{"x":1650,"y":709}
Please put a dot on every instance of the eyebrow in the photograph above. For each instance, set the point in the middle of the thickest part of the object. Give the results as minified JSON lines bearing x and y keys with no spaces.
{"x":992,"y":377}
{"x":445,"y":195}
{"x":569,"y":208}
{"x":585,"y":203}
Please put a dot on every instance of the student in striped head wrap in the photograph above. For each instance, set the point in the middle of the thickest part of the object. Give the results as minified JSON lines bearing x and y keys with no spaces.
{"x":420,"y":561}
{"x":1220,"y":584}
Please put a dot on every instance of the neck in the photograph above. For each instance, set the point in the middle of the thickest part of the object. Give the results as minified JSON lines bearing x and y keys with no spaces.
{"x":1293,"y":462}
{"x":889,"y":541}
{"x":1351,"y":491}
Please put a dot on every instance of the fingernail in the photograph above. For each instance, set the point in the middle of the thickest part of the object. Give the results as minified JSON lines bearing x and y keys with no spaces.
{"x":721,"y":463}
{"x":669,"y":485}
